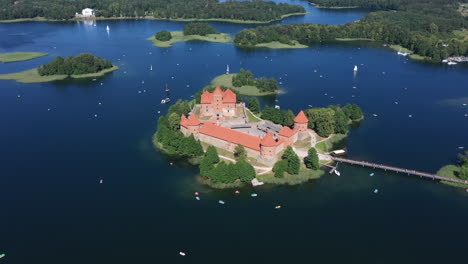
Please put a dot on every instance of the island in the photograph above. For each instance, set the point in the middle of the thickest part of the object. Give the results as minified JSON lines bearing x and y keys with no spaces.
{"x":431,"y":30}
{"x":177,"y":10}
{"x":245,"y":83}
{"x":81,"y":66}
{"x":234,"y":143}
{"x":459,"y":172}
{"x":192,"y":31}
{"x":20,"y":56}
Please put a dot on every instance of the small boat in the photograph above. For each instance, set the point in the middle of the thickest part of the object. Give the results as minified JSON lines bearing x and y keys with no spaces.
{"x":277,"y":107}
{"x":221,"y":201}
{"x":108,"y":28}
{"x":372,"y":174}
{"x":376,"y":191}
{"x":278,"y":207}
{"x":2,"y":255}
{"x":227,"y":69}
{"x":196,"y":193}
{"x":198,"y":198}
{"x":165,"y":101}
{"x":236,"y":192}
{"x":101,"y":181}
{"x":402,"y":53}
{"x":444,"y":61}
{"x":151,"y":67}
{"x":355,"y":68}
{"x":253,"y":195}
{"x":337,"y":172}
{"x":451,"y":63}
{"x":337,"y":153}
{"x":167,"y":88}
{"x":182,"y":254}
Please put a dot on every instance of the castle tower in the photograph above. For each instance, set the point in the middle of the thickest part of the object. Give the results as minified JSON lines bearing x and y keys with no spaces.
{"x":268,"y":147}
{"x":217,"y":100}
{"x":193,"y":125}
{"x":300,"y":122}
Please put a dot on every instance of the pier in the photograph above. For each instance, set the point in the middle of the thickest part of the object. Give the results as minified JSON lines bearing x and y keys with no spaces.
{"x":397,"y":170}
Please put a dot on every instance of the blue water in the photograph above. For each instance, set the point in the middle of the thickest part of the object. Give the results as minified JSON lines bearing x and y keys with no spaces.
{"x":55,"y":151}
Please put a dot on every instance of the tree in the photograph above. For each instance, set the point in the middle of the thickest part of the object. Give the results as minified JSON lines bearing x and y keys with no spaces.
{"x":312,"y":159}
{"x":293,"y":161}
{"x":174,"y":121}
{"x":240,"y":152}
{"x":341,"y":122}
{"x":189,"y":146}
{"x":288,"y":118}
{"x":352,"y":111}
{"x":163,"y":35}
{"x":212,"y":155}
{"x":245,"y":171}
{"x":279,"y":168}
{"x":254,"y":104}
{"x":463,"y":173}
{"x":202,"y":29}
{"x":463,"y":159}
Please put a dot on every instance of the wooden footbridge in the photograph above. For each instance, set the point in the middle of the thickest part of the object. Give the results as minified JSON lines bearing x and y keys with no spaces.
{"x":397,"y":170}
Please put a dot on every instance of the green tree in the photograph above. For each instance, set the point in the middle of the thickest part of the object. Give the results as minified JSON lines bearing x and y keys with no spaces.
{"x":463,"y":173}
{"x":352,"y":111}
{"x":163,"y":35}
{"x":341,"y":122}
{"x":240,"y":153}
{"x":254,"y":105}
{"x":293,"y":161}
{"x":312,"y":159}
{"x":174,"y":121}
{"x":245,"y":171}
{"x":212,"y":155}
{"x":199,"y":29}
{"x":279,"y":168}
{"x":463,"y":159}
{"x":189,"y":146}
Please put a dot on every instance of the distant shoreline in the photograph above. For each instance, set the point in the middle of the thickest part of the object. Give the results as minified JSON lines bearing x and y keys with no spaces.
{"x":238,"y":21}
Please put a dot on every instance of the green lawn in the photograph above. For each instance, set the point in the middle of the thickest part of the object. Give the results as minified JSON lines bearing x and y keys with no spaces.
{"x":400,"y":48}
{"x":232,"y":20}
{"x":178,"y":36}
{"x":32,"y":76}
{"x":252,"y":118}
{"x":328,"y":145}
{"x":353,"y":39}
{"x":279,"y":45}
{"x":449,"y":171}
{"x":20,"y":56}
{"x":226,"y":81}
{"x":303,"y":144}
{"x":303,"y":176}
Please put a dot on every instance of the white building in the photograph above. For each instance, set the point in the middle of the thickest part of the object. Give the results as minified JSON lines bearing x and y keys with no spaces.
{"x":87,"y":12}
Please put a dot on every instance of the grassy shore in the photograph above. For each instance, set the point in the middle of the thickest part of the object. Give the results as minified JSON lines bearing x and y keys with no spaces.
{"x":32,"y":76}
{"x":353,"y":39}
{"x":279,"y":45}
{"x":178,"y":36}
{"x":328,"y":145}
{"x":332,"y":7}
{"x":20,"y":56}
{"x":226,"y":81}
{"x":237,"y":21}
{"x":303,"y":176}
{"x":251,"y":117}
{"x":450,"y":171}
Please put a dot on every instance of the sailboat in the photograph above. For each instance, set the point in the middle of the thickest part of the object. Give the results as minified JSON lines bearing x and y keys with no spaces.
{"x":355,"y":68}
{"x":227,"y":69}
{"x":151,"y":67}
{"x":108,"y":28}
{"x":337,"y":172}
{"x":167,"y":88}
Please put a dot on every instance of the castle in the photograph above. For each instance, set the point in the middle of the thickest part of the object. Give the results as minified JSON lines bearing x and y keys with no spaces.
{"x":219,"y":104}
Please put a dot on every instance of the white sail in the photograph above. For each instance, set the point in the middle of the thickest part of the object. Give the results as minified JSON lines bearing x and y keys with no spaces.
{"x":151,"y":67}
{"x":227,"y":69}
{"x":107,"y":28}
{"x":355,"y":68}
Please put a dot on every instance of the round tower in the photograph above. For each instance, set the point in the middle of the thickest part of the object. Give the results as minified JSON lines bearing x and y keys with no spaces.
{"x":300,"y":122}
{"x":268,"y":147}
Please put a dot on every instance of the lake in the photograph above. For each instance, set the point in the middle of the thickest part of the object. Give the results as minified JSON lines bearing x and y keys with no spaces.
{"x":55,"y":151}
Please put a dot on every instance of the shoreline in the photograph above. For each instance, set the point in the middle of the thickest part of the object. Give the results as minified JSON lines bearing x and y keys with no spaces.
{"x":13,"y":57}
{"x":237,"y":21}
{"x":32,"y":76}
{"x":332,"y":7}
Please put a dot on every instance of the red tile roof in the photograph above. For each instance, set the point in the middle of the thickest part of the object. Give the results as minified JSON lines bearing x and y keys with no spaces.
{"x":183,"y":121}
{"x":301,"y":118}
{"x":193,"y":121}
{"x":268,"y":141}
{"x":217,"y":90}
{"x":231,"y":136}
{"x":206,"y":97}
{"x":229,"y":96}
{"x":287,"y":132}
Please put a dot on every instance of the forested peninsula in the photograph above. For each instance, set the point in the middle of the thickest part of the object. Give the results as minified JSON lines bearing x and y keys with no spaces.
{"x":432,"y":29}
{"x":185,"y":10}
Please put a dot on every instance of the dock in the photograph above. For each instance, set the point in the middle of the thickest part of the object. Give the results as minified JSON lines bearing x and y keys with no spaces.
{"x":397,"y":170}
